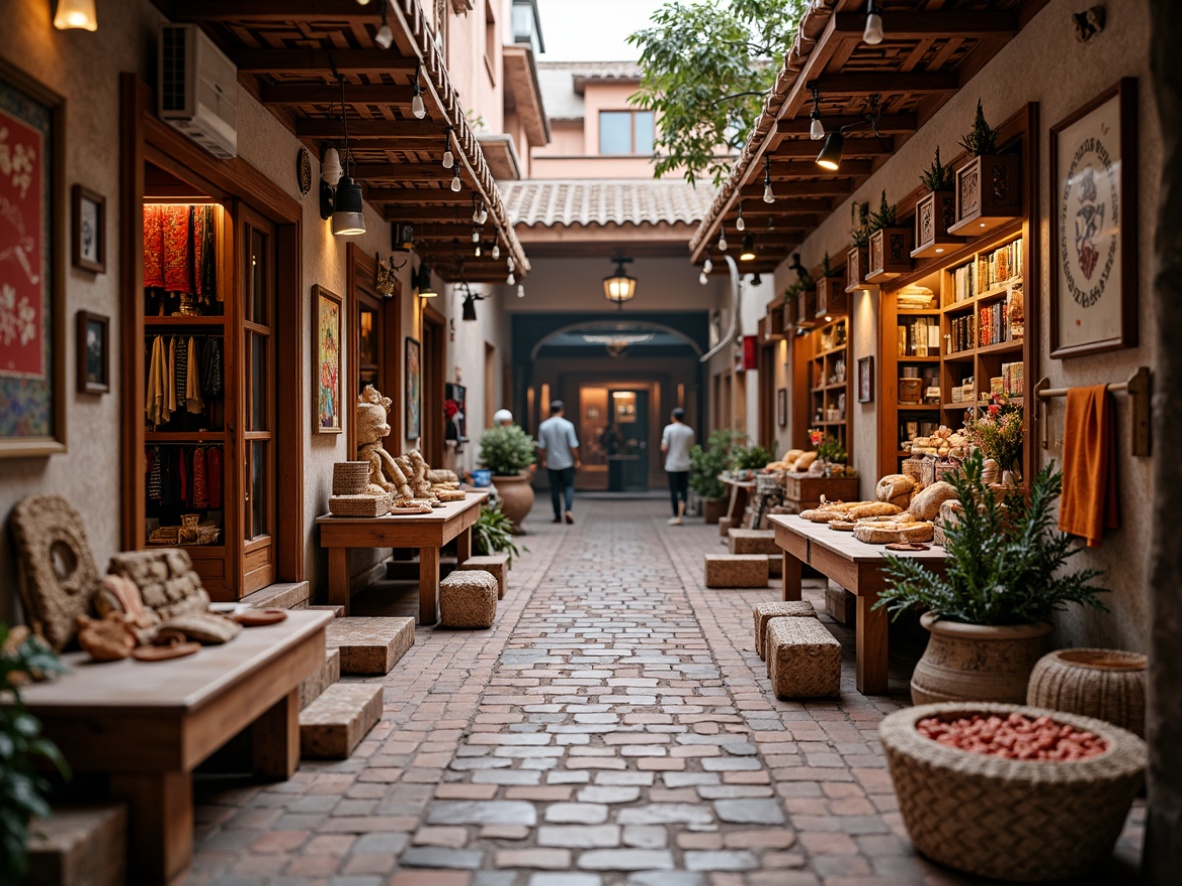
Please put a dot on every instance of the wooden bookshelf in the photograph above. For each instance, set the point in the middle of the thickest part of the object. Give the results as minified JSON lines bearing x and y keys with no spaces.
{"x":823,"y":373}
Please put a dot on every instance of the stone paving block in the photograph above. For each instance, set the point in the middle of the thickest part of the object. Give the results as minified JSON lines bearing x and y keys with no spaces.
{"x":579,"y":836}
{"x":805,"y":659}
{"x":721,"y":861}
{"x":370,"y":646}
{"x":749,"y":811}
{"x":736,"y":571}
{"x":333,"y":725}
{"x":320,"y":679}
{"x":79,"y":845}
{"x":495,"y":564}
{"x":437,"y":857}
{"x":626,"y":860}
{"x":478,"y":812}
{"x":752,"y":541}
{"x":762,"y":612}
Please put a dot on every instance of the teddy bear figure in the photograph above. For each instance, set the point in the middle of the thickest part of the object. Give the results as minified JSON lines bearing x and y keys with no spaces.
{"x":385,"y":475}
{"x":419,"y":481}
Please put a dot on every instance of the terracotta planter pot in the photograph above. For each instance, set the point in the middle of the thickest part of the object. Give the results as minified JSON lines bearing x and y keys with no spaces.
{"x":1107,"y":684}
{"x":713,"y":509}
{"x":1023,"y":820}
{"x":517,"y":498}
{"x":966,"y":662}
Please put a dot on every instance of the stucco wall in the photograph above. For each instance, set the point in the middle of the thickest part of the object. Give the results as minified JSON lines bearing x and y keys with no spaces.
{"x":1046,"y":64}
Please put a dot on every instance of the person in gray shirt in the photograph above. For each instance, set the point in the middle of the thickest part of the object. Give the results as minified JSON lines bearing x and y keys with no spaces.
{"x":558,"y":450}
{"x":676,"y":441}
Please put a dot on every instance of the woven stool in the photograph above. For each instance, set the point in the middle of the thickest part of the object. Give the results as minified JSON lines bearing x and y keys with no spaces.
{"x":805,"y":658}
{"x":496,"y":564}
{"x":468,"y":599}
{"x":764,"y":612}
{"x":736,"y":571}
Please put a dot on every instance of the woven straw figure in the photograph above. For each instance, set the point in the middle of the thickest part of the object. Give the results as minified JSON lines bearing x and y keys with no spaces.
{"x":385,"y":474}
{"x":419,"y":482}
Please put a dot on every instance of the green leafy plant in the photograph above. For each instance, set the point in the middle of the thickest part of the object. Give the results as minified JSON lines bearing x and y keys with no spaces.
{"x":492,"y":533}
{"x":938,"y":176}
{"x":1000,"y":432}
{"x":22,"y":748}
{"x":826,"y":267}
{"x":981,"y":139}
{"x":706,"y":68}
{"x":792,"y":291}
{"x":860,"y":219}
{"x":709,"y":462}
{"x":506,"y":451}
{"x":886,"y":216}
{"x":828,"y":447}
{"x":1005,"y":559}
{"x":751,"y":458}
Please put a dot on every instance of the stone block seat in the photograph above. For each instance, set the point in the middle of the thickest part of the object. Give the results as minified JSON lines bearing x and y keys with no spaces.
{"x":736,"y":570}
{"x":370,"y":647}
{"x":497,"y":564}
{"x":805,"y":659}
{"x":468,"y":599}
{"x":762,"y":613}
{"x":336,"y":722}
{"x":752,"y":541}
{"x":79,"y":845}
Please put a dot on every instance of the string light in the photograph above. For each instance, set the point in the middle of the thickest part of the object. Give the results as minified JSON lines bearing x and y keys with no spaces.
{"x":456,"y":184}
{"x":510,"y":280}
{"x":496,"y":250}
{"x":449,"y":159}
{"x":722,"y":240}
{"x":768,"y":195}
{"x":872,"y":36}
{"x":385,"y":36}
{"x":703,"y":279}
{"x":708,"y":266}
{"x":521,"y":290}
{"x":816,"y":128}
{"x":417,"y":106}
{"x":740,"y":225}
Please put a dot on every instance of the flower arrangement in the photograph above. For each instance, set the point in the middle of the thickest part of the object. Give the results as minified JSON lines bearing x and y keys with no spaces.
{"x":828,"y":447}
{"x":1000,"y":432}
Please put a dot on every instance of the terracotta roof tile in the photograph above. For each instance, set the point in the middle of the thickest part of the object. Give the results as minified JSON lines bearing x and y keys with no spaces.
{"x":603,"y":202}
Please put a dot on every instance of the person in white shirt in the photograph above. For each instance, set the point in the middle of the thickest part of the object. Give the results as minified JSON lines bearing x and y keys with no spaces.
{"x":676,"y":441}
{"x":558,"y":450}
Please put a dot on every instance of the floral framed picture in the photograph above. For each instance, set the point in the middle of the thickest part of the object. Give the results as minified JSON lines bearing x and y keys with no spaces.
{"x":93,"y":352}
{"x":327,"y":350}
{"x":32,"y":292}
{"x":88,"y":239}
{"x":1093,"y":156}
{"x":414,"y":389}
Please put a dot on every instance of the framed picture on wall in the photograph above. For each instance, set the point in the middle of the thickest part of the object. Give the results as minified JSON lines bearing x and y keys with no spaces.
{"x":866,"y":379}
{"x":327,"y":348}
{"x":414,"y":389}
{"x":93,"y":353}
{"x":88,"y":240}
{"x":1094,"y":225}
{"x":32,"y":303}
{"x":782,"y":407}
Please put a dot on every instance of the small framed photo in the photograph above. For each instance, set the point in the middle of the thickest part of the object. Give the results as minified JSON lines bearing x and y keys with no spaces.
{"x":414,"y":390}
{"x":866,"y":379}
{"x":782,"y":407}
{"x":93,"y":353}
{"x":327,"y":350}
{"x":89,"y":236}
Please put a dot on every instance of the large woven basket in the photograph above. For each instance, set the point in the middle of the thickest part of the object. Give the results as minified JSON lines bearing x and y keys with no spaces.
{"x":359,"y":505}
{"x":1018,"y":820}
{"x":350,"y":477}
{"x":1108,"y":684}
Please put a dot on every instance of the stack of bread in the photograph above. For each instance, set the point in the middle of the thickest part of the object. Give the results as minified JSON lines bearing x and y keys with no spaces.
{"x":944,"y":443}
{"x":901,"y":512}
{"x":793,"y":460}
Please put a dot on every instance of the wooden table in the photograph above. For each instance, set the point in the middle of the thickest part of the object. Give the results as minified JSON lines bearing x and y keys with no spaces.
{"x":427,"y":532}
{"x":148,"y":725}
{"x":739,"y":494}
{"x":857,"y":567}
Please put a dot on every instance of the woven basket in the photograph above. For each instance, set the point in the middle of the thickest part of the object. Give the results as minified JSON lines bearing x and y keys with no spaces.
{"x":762,"y":613}
{"x":468,"y":599}
{"x":804,"y":659}
{"x":1018,"y":820}
{"x":1108,"y":684}
{"x":359,"y":505}
{"x":350,"y":477}
{"x":913,"y":468}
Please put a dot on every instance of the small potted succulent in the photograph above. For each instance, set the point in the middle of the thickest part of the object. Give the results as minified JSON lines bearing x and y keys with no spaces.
{"x":988,"y":187}
{"x":857,"y":257}
{"x":890,"y":244}
{"x":507,"y":452}
{"x":935,"y":212}
{"x":831,"y":294}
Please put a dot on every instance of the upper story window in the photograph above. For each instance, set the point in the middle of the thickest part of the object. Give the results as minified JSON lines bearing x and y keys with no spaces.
{"x":626,"y":132}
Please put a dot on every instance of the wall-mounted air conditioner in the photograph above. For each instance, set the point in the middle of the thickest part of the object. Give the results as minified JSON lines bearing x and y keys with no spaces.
{"x":198,"y":89}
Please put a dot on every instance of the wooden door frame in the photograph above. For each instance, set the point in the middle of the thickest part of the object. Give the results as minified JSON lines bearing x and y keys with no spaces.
{"x":434,"y":368}
{"x":766,"y":396}
{"x":139,"y":129}
{"x":361,"y":274}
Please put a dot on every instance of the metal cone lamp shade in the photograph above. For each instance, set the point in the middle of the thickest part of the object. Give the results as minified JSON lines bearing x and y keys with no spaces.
{"x":423,"y":282}
{"x":620,"y":286}
{"x":348,"y":218}
{"x":469,"y":310}
{"x":830,"y":156}
{"x":748,"y":251}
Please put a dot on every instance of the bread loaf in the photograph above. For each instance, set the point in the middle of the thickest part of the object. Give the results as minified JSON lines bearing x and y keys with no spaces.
{"x":926,"y":503}
{"x":888,"y":533}
{"x":873,"y":509}
{"x":896,"y":489}
{"x":804,"y":460}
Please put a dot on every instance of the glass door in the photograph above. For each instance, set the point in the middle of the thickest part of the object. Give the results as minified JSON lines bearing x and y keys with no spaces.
{"x":256,"y":441}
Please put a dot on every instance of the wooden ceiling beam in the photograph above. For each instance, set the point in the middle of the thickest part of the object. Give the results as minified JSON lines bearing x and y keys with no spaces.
{"x":330,"y":94}
{"x":807,"y":169}
{"x":888,"y":124}
{"x":808,"y":149}
{"x":818,"y":187}
{"x":329,"y":127}
{"x":786,"y":206}
{"x":887,"y":83}
{"x":267,"y":11}
{"x":923,"y":25}
{"x":316,"y":61}
{"x":404,"y":197}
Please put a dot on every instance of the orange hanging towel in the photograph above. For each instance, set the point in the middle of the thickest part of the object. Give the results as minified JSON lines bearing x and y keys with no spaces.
{"x":1089,"y":504}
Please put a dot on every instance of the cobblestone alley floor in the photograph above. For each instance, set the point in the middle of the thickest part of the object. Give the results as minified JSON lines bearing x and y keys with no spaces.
{"x":614,"y":727}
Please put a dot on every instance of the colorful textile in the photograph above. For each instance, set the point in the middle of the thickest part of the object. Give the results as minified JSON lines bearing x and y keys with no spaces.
{"x":200,"y":489}
{"x":178,"y":249}
{"x":153,"y":245}
{"x":213,"y":476}
{"x":193,"y":401}
{"x":156,"y":405}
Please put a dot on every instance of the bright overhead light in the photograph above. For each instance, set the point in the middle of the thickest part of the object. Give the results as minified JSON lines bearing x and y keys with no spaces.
{"x":747,"y":253}
{"x":348,"y":218}
{"x":75,"y":14}
{"x":830,"y":156}
{"x":873,"y":33}
{"x":619,"y":287}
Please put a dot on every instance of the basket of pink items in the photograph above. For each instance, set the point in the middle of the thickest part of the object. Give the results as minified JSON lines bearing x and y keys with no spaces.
{"x":1012,"y":792}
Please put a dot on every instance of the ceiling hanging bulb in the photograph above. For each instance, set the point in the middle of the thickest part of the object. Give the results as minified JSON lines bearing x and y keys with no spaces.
{"x":385,"y":36}
{"x":348,"y":216}
{"x":872,"y":36}
{"x":476,"y":235}
{"x":740,"y":225}
{"x":521,"y":290}
{"x":703,"y":279}
{"x":78,"y":14}
{"x":456,"y":184}
{"x":476,"y":251}
{"x":769,"y":195}
{"x":747,"y":253}
{"x":722,"y":240}
{"x":708,"y":266}
{"x":830,"y":156}
{"x":496,"y":250}
{"x":449,"y":159}
{"x":816,"y":128}
{"x":509,"y":262}
{"x":417,"y":107}
{"x":510,"y":280}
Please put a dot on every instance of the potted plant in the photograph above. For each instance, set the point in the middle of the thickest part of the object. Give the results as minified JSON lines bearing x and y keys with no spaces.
{"x":830,"y":453}
{"x":889,"y":252}
{"x":707,"y":465}
{"x":22,"y":748}
{"x":988,"y":189}
{"x":989,"y":613}
{"x":831,"y":295}
{"x":806,"y":288}
{"x":492,"y":533}
{"x":935,"y":211}
{"x":999,"y":434}
{"x":507,"y":451}
{"x":747,"y":460}
{"x":858,"y":254}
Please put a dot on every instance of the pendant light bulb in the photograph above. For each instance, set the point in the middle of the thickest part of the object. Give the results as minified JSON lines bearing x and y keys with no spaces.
{"x":476,"y":235}
{"x":708,"y":266}
{"x":483,"y":214}
{"x":510,"y":280}
{"x":417,"y":107}
{"x":747,"y":253}
{"x":449,"y":159}
{"x":722,"y":241}
{"x":872,"y":36}
{"x":75,"y":14}
{"x":510,"y":263}
{"x":456,"y":184}
{"x":816,"y":129}
{"x":740,"y":225}
{"x":384,"y":37}
{"x":476,"y":251}
{"x":496,"y":250}
{"x":521,"y":290}
{"x":769,"y":196}
{"x":703,"y":279}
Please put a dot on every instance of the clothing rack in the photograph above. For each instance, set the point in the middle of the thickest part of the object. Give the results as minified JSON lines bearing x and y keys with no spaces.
{"x":1139,"y":387}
